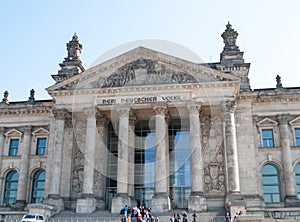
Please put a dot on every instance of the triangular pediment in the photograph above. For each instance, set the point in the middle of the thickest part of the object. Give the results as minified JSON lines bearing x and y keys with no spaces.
{"x":40,"y":131}
{"x":142,"y":66}
{"x":295,"y":121}
{"x":267,"y":122}
{"x":13,"y":133}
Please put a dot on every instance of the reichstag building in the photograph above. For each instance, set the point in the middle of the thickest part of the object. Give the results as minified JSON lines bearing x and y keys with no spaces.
{"x":148,"y":128}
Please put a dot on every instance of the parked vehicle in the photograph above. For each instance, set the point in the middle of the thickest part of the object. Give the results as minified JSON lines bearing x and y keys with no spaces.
{"x":33,"y":218}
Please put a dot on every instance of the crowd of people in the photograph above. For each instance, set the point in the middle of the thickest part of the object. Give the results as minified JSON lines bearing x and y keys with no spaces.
{"x":137,"y":214}
{"x":141,"y":214}
{"x":228,"y":218}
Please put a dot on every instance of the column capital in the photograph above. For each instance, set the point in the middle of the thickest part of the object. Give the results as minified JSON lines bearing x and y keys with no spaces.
{"x":27,"y":129}
{"x":132,"y":119}
{"x":229,"y":106}
{"x":193,"y":106}
{"x":160,"y":108}
{"x":123,"y":110}
{"x":283,"y":119}
{"x":60,"y":114}
{"x":90,"y":113}
{"x":2,"y":130}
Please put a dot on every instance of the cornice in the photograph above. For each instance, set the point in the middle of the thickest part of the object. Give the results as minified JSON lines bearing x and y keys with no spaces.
{"x":150,"y":88}
{"x":9,"y":111}
{"x":256,"y":97}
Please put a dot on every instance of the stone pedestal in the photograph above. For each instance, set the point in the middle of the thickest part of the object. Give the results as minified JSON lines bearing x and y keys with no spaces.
{"x":160,"y":203}
{"x":292,"y":201}
{"x":119,"y":202}
{"x":197,"y":203}
{"x":235,"y":203}
{"x":19,"y":205}
{"x":86,"y":206}
{"x":56,"y":202}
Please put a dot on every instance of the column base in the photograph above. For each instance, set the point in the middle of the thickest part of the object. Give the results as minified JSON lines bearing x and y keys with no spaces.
{"x":132,"y":201}
{"x":86,"y":205}
{"x":197,"y":202}
{"x":235,"y":203}
{"x":119,"y":202}
{"x":19,"y":205}
{"x":292,"y":201}
{"x":55,"y":201}
{"x":160,"y":203}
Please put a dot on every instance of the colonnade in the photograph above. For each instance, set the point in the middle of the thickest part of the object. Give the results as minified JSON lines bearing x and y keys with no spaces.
{"x":125,"y":170}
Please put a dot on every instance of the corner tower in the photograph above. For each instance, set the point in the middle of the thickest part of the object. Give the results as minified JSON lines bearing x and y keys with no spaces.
{"x":72,"y":64}
{"x":231,"y":58}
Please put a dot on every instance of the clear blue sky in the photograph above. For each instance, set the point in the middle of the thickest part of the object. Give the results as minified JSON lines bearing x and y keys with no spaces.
{"x":34,"y":33}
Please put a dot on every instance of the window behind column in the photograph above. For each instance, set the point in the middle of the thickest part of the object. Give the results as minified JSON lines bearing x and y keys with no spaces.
{"x":271,"y":183}
{"x":38,"y":187}
{"x":13,"y":147}
{"x":11,"y":188}
{"x":297,"y":136}
{"x":179,"y":161}
{"x":297,"y":171}
{"x":267,"y":138}
{"x":41,"y":146}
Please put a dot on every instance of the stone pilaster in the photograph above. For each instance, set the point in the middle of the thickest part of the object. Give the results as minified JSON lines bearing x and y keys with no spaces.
{"x":2,"y":139}
{"x":197,"y":201}
{"x":87,"y":204}
{"x":54,"y":197}
{"x":23,"y":176}
{"x":131,"y":140}
{"x":122,"y":197}
{"x":160,"y":200}
{"x":286,"y":154}
{"x":233,"y":198}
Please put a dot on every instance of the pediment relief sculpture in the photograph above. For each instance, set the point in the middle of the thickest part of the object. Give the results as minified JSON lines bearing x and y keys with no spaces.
{"x":145,"y":71}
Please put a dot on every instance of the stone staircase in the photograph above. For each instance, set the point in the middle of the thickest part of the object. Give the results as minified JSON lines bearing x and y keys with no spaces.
{"x":106,"y":216}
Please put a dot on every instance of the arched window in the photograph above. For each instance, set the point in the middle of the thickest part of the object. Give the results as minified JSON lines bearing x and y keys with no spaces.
{"x":298,"y":179}
{"x":271,"y":183}
{"x":38,"y":187}
{"x":11,"y":188}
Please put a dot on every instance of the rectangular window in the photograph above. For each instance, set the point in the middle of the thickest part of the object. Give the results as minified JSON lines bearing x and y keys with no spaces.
{"x":13,"y":147}
{"x":268,"y":138}
{"x":41,"y":146}
{"x":297,"y":136}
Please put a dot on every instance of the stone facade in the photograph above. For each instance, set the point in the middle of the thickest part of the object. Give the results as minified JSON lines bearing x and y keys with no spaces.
{"x":234,"y":132}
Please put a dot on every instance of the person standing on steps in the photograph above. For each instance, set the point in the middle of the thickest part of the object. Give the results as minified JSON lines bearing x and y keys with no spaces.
{"x":194,"y":216}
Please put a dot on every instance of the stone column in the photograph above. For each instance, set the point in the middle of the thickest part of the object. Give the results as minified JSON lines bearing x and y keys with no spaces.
{"x":23,"y":176}
{"x":2,"y":139}
{"x":229,"y":108}
{"x":121,"y":199}
{"x":286,"y":155}
{"x":131,"y":140}
{"x":54,"y":197}
{"x":233,"y":199}
{"x":197,"y":201}
{"x":101,"y":163}
{"x":160,"y":201}
{"x":88,"y":202}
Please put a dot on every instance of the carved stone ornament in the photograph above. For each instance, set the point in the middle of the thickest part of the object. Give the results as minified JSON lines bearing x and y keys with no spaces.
{"x":145,"y":71}
{"x":77,"y":173}
{"x":59,"y":114}
{"x":229,"y":106}
{"x":283,"y":119}
{"x":229,"y":37}
{"x":213,"y":154}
